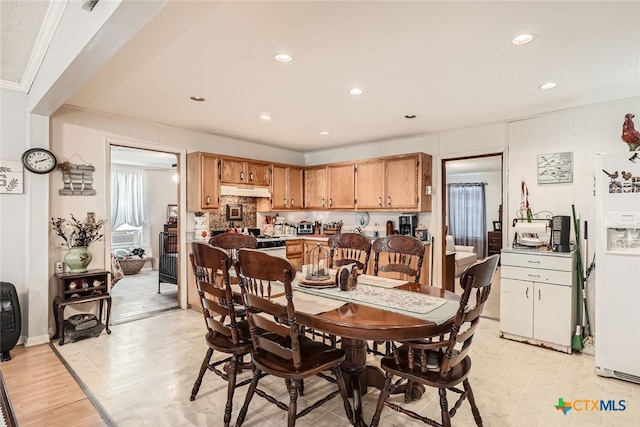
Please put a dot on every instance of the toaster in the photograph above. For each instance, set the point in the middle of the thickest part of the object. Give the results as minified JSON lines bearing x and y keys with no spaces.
{"x":305,"y":228}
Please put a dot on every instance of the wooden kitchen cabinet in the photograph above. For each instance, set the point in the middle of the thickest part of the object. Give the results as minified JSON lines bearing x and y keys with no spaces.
{"x":395,"y":183}
{"x":286,"y":188}
{"x":370,"y":184}
{"x":341,"y":185}
{"x":330,"y":187}
{"x":203,"y":185}
{"x":239,"y":171}
{"x":315,"y":188}
{"x":537,"y":298}
{"x":295,"y":252}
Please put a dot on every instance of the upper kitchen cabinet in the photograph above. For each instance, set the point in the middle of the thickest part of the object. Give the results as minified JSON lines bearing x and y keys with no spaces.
{"x":315,"y":188}
{"x":395,"y":183}
{"x":239,"y":171}
{"x":286,"y":187}
{"x":341,"y":186}
{"x":203,"y":185}
{"x":330,"y":187}
{"x":370,"y":184}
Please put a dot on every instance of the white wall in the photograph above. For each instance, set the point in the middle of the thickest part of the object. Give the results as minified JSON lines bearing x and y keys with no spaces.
{"x":14,"y":207}
{"x":163,"y":191}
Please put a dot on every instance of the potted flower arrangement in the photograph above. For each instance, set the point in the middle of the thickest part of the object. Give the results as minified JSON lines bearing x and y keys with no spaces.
{"x":77,"y":236}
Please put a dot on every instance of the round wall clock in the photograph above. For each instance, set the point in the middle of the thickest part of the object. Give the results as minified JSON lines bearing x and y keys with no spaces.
{"x":362,"y":219}
{"x":39,"y":160}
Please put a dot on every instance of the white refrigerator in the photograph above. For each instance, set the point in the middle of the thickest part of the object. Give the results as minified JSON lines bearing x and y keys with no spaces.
{"x":617,"y":303}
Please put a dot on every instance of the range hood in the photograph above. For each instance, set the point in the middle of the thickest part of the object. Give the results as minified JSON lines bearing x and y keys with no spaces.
{"x":229,"y":190}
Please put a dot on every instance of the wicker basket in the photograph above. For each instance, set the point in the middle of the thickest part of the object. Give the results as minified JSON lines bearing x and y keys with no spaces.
{"x":331,"y":230}
{"x":131,"y":266}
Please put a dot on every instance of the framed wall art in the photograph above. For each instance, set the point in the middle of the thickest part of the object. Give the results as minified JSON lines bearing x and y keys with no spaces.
{"x":555,"y":168}
{"x":11,"y":177}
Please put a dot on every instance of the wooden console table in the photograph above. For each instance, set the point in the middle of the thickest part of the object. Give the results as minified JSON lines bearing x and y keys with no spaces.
{"x":80,"y":288}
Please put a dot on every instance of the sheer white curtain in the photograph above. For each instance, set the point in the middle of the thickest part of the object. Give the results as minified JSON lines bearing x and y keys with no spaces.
{"x":467,"y":215}
{"x":129,"y":204}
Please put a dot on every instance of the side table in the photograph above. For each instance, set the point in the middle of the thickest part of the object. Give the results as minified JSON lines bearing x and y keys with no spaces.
{"x":80,"y":288}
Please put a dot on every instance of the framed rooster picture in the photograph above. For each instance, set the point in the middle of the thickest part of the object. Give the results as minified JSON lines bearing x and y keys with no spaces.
{"x":555,"y":168}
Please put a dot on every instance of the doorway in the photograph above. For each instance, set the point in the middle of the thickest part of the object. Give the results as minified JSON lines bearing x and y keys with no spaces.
{"x":144,"y":201}
{"x":483,"y":176}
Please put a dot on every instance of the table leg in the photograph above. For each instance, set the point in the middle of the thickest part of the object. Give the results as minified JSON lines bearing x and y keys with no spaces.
{"x":60,"y":315}
{"x":55,"y":317}
{"x":108,"y":315}
{"x":354,"y":369}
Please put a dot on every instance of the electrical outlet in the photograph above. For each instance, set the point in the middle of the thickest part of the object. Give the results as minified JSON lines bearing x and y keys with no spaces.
{"x":59,"y":267}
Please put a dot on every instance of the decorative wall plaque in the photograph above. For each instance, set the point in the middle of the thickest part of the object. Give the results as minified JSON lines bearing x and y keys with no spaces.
{"x":11,"y":177}
{"x":555,"y":168}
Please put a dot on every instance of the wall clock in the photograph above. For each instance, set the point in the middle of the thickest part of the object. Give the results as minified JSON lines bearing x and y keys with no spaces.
{"x":39,"y":160}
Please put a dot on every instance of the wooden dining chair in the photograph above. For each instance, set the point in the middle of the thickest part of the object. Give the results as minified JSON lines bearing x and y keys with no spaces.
{"x":347,"y":248}
{"x":442,"y":362}
{"x":225,"y":332}
{"x":232,"y":242}
{"x":397,"y":254}
{"x":279,"y":349}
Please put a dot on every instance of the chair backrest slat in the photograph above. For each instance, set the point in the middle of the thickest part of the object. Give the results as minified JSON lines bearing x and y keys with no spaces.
{"x":257,"y":272}
{"x":347,"y":248}
{"x":403,"y":254}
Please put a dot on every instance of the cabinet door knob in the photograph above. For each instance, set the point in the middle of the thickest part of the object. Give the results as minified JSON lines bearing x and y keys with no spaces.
{"x":251,"y":176}
{"x":389,"y":201}
{"x":533,"y":262}
{"x":323,"y":202}
{"x":526,"y":293}
{"x":539,"y":294}
{"x":330,"y":202}
{"x":292,"y":204}
{"x":285,"y":202}
{"x":379,"y":201}
{"x":208,"y":200}
{"x":241,"y":176}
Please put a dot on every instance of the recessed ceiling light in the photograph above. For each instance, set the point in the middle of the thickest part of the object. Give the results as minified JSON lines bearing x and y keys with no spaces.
{"x":355,"y":91}
{"x":521,"y":39}
{"x":410,"y":116}
{"x":548,"y":85}
{"x":324,"y":132}
{"x":283,"y":57}
{"x":197,"y":98}
{"x":265,"y":117}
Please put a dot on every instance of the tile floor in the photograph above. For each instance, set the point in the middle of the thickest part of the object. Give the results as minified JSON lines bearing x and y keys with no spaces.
{"x":143,"y":372}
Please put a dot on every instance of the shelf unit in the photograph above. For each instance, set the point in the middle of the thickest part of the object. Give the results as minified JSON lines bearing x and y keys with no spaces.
{"x":80,"y":288}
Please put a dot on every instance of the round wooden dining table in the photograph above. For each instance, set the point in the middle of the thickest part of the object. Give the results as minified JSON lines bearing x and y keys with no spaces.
{"x":356,"y":324}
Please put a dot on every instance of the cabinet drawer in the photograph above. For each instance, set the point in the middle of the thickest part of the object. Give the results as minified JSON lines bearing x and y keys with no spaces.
{"x":546,"y":262}
{"x":294,"y":248}
{"x":564,"y":278}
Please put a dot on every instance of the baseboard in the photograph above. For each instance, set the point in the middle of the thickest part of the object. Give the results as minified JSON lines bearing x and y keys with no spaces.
{"x":37,"y":340}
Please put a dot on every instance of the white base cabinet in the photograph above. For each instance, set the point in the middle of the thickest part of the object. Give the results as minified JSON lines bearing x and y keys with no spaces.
{"x":538,"y":298}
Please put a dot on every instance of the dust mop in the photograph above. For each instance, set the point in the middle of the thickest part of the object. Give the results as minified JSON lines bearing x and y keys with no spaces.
{"x":587,"y":340}
{"x":577,"y":341}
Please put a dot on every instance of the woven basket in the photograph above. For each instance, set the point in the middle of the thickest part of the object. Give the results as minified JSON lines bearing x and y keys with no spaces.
{"x":131,"y":266}
{"x":331,"y":230}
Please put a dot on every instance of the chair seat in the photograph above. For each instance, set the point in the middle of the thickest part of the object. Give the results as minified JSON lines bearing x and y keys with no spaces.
{"x":224,"y":344}
{"x":432,"y":377}
{"x":316,"y":357}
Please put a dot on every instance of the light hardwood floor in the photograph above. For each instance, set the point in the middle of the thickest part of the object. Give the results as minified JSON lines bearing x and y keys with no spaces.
{"x":44,"y":393}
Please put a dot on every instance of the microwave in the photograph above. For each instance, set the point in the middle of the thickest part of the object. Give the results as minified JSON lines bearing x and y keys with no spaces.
{"x":305,"y":228}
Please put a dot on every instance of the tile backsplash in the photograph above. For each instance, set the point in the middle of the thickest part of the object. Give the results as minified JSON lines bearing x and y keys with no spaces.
{"x":218,"y":219}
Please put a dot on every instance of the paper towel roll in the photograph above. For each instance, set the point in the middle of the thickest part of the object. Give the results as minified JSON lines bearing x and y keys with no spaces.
{"x":531,"y":227}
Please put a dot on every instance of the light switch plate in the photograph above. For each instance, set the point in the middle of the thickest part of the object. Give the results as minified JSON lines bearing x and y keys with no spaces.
{"x":59,"y":267}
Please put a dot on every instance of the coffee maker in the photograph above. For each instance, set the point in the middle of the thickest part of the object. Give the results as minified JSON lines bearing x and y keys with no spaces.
{"x":408,"y":223}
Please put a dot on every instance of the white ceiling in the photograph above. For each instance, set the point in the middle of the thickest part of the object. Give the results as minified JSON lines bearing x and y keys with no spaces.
{"x":449,"y":63}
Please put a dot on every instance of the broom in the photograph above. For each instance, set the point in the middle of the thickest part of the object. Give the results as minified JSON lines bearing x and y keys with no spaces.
{"x":576,"y":341}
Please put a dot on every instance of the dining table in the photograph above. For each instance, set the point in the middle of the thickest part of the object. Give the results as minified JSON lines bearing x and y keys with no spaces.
{"x":388,"y":318}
